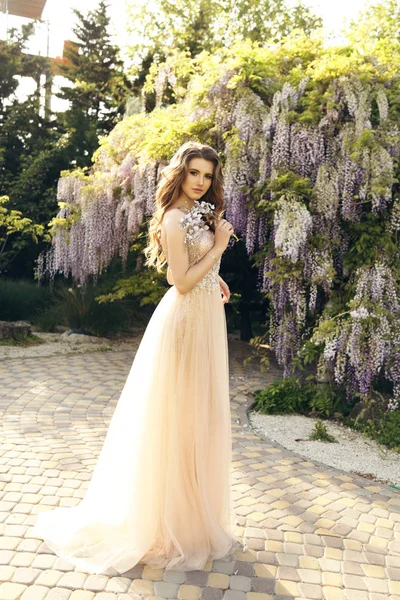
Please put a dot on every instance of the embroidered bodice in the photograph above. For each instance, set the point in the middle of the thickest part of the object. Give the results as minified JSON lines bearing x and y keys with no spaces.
{"x":200,"y":244}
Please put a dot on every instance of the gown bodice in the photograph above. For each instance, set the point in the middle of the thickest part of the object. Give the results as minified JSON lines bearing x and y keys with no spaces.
{"x":198,"y":246}
{"x":201,"y":244}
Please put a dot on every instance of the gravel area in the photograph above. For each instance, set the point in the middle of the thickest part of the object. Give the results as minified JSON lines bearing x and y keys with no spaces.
{"x":353,"y":453}
{"x":55,"y":343}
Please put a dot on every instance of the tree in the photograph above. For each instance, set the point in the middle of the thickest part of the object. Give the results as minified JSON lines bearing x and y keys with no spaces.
{"x":191,"y":27}
{"x":21,"y":125}
{"x":100,"y":87}
{"x":15,"y":233}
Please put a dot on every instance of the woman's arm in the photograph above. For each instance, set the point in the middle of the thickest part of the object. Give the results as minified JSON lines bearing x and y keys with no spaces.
{"x":184,"y":276}
{"x":169,"y":276}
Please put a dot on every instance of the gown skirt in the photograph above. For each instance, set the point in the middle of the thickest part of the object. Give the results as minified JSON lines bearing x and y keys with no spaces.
{"x":160,"y":493}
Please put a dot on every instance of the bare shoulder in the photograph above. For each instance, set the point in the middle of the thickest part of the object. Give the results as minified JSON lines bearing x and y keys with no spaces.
{"x":172,"y":217}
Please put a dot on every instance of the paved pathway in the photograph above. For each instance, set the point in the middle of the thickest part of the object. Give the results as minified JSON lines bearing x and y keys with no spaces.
{"x":309,"y":531}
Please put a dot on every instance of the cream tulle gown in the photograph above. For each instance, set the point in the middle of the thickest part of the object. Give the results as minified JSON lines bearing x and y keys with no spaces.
{"x":160,"y":493}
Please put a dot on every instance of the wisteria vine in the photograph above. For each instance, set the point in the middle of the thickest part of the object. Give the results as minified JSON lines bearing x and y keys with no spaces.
{"x":349,"y":162}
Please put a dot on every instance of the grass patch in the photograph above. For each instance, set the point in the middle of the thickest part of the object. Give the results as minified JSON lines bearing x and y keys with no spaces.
{"x":23,"y":341}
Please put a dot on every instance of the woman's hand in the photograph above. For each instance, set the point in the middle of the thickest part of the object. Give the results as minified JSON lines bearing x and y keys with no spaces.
{"x":224,"y":290}
{"x":223,"y":232}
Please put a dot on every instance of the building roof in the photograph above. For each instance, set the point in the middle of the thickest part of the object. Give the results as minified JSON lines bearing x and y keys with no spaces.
{"x":31,"y":9}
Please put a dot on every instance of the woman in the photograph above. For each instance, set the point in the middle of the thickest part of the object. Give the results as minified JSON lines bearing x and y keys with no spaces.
{"x":160,"y":491}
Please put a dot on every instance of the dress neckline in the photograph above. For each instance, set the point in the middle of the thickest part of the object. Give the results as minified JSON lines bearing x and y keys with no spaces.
{"x":187,"y":211}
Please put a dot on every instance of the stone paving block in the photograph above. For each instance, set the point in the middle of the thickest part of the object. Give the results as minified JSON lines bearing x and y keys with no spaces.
{"x":311,"y":591}
{"x":23,"y":559}
{"x":308,"y":562}
{"x":309,"y":576}
{"x":332,"y":579}
{"x":6,"y":573}
{"x":352,"y":568}
{"x":29,"y":545}
{"x":57,"y":593}
{"x":354,"y":582}
{"x":262,"y":585}
{"x":174,"y":576}
{"x":163,"y":589}
{"x":333,"y":593}
{"x":73,"y":580}
{"x":288,"y":588}
{"x":218,"y":580}
{"x":25,"y":575}
{"x":49,"y":578}
{"x":211,"y":593}
{"x":333,"y":553}
{"x":356,"y":594}
{"x":240,"y":582}
{"x":118,"y":584}
{"x":35,"y":592}
{"x":376,"y":585}
{"x":394,"y":587}
{"x":81,"y":595}
{"x":62,"y":565}
{"x":330,"y":565}
{"x":9,"y":543}
{"x":234,"y":595}
{"x":44,"y":561}
{"x":11,"y":591}
{"x":196,"y":577}
{"x":189,"y":592}
{"x":288,"y":560}
{"x":155,"y":574}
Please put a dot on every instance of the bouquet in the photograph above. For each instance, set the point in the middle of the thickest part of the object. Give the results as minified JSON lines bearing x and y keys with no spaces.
{"x":199,"y":217}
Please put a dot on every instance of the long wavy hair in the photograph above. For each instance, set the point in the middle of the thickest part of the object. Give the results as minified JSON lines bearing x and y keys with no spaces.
{"x":169,"y":188}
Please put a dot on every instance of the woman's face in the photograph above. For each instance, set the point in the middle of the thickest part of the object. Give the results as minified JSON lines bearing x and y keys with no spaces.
{"x":198,"y":179}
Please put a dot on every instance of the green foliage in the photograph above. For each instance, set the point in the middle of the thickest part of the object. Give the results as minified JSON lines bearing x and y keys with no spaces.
{"x":283,"y":396}
{"x":209,"y":25}
{"x":326,"y":398}
{"x":22,"y":300}
{"x":97,"y":98}
{"x":384,"y":428}
{"x":320,"y":432}
{"x":369,"y":239}
{"x":78,"y":309}
{"x":17,"y":229}
{"x":23,"y":340}
{"x":295,"y":395}
{"x":145,"y":285}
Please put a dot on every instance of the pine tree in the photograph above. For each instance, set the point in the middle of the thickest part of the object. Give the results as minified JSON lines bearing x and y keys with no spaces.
{"x":100,"y":87}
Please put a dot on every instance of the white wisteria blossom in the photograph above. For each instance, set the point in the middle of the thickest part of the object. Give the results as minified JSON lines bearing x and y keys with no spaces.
{"x":194,"y":221}
{"x":292,"y":223}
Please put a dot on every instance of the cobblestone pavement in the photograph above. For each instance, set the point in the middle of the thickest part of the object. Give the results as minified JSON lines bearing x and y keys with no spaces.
{"x":309,"y":531}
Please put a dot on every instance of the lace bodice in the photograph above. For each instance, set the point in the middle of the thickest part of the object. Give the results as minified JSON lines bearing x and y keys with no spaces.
{"x":201,"y":244}
{"x":198,"y":246}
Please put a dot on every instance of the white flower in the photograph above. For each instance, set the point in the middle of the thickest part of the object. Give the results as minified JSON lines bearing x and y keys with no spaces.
{"x":360,"y":313}
{"x":292,"y":224}
{"x":193,"y":220}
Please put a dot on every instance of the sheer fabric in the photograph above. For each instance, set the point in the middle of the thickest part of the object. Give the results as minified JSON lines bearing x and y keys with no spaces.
{"x":160,"y":493}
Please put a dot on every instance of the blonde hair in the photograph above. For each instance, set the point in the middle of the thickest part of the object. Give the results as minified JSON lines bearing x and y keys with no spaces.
{"x":169,"y":188}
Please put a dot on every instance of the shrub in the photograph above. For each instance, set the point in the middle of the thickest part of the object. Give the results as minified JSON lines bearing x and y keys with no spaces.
{"x":22,"y":300}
